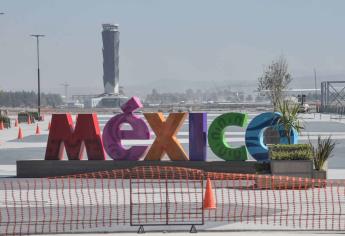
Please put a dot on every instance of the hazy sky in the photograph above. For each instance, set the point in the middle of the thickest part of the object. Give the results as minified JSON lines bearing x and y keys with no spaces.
{"x":176,"y":40}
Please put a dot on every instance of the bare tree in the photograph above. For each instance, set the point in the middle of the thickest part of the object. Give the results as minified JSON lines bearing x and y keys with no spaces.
{"x":275,"y":80}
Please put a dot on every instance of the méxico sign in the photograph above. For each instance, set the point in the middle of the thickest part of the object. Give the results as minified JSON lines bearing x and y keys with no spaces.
{"x":86,"y":134}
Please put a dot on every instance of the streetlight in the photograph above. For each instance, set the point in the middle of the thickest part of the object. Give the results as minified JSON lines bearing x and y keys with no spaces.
{"x":37,"y":36}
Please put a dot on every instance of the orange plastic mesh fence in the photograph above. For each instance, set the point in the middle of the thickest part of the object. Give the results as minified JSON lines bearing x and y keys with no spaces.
{"x":114,"y":200}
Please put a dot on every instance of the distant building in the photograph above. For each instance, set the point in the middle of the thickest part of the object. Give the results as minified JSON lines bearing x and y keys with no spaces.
{"x":111,"y":43}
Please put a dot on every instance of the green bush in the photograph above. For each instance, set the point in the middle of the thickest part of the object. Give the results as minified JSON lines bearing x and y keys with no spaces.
{"x":290,"y":152}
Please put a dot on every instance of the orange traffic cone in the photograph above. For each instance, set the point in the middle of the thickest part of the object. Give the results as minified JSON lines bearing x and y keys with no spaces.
{"x":38,"y":130}
{"x":16,"y":123}
{"x":1,"y":125}
{"x":20,"y":133}
{"x":29,"y":120}
{"x":49,"y":124}
{"x":209,"y":201}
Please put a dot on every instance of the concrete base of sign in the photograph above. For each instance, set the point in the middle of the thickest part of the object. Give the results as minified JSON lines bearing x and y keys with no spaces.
{"x":38,"y":168}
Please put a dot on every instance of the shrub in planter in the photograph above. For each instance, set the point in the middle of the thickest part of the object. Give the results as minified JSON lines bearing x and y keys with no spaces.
{"x":35,"y":115}
{"x":289,"y":119}
{"x":283,"y":156}
{"x":290,"y":152}
{"x":23,"y":117}
{"x":6,"y":121}
{"x":291,"y":160}
{"x":322,"y":151}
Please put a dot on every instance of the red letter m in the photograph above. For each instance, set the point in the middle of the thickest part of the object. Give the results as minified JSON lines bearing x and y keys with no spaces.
{"x":86,"y":133}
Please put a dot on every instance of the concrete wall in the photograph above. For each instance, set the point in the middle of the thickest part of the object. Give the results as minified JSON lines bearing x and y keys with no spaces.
{"x":38,"y":168}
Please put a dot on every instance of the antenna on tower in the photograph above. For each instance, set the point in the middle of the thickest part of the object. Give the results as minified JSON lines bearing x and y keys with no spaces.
{"x":65,"y":85}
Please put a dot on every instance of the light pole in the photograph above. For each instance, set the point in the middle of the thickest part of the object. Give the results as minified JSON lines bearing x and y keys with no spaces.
{"x":37,"y":36}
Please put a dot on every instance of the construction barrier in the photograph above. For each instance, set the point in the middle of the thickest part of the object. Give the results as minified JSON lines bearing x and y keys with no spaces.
{"x":279,"y":202}
{"x":115,"y":200}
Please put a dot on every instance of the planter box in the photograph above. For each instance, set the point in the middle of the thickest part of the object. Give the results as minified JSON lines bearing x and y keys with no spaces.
{"x":7,"y":125}
{"x":319,"y":174}
{"x":281,"y":182}
{"x":296,"y":168}
{"x":23,"y":118}
{"x":271,"y":136}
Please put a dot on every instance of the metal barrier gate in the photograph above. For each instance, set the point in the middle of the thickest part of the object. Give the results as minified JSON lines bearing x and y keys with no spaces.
{"x":166,"y":196}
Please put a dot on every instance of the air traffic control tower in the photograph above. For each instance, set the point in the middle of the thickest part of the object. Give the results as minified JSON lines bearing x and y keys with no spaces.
{"x":111,"y":42}
{"x":112,"y":96}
